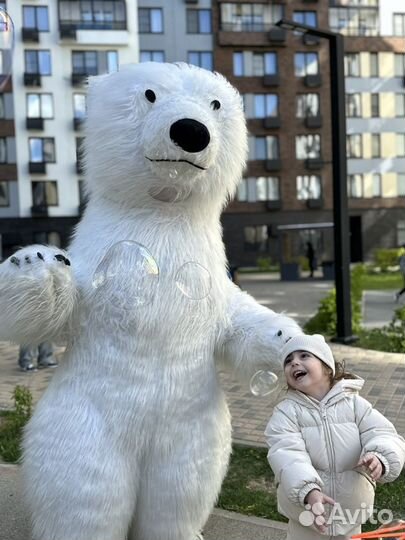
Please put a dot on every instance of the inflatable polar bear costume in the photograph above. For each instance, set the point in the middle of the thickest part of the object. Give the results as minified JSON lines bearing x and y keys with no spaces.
{"x":132,"y":437}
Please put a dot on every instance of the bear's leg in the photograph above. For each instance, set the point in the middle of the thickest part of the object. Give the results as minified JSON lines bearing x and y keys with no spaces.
{"x":178,"y":490}
{"x":78,"y":483}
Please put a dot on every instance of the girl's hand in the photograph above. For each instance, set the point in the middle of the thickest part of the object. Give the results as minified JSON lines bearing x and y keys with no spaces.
{"x":373,"y":464}
{"x":316,"y":499}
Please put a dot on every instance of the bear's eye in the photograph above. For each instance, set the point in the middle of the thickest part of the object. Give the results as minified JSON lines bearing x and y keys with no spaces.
{"x":150,"y":96}
{"x":215,"y":104}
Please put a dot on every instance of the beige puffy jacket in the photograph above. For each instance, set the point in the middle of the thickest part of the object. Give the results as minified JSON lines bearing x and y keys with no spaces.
{"x":317,"y":444}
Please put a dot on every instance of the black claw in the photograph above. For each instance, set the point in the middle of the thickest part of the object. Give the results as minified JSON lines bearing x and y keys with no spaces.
{"x":279,"y":332}
{"x":27,"y":259}
{"x":15,"y":261}
{"x":40,"y":256}
{"x":62,"y":258}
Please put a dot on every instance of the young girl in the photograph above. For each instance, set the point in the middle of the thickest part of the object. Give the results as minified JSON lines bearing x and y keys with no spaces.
{"x":327,"y":445}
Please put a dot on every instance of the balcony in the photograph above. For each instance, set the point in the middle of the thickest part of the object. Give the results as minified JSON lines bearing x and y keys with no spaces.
{"x":277,"y":36}
{"x":94,"y":32}
{"x":313,"y":122}
{"x":272,"y":122}
{"x":37,"y":167}
{"x":273,"y":165}
{"x":314,"y":164}
{"x":35,"y":123}
{"x":32,"y":79}
{"x":78,"y":123}
{"x":313,"y":81}
{"x":30,"y":35}
{"x":271,"y":80}
{"x":39,"y":210}
{"x":78,"y":79}
{"x":314,"y":204}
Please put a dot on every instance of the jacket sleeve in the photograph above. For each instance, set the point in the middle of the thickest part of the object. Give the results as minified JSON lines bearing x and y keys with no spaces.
{"x":289,"y":459}
{"x":379,"y":436}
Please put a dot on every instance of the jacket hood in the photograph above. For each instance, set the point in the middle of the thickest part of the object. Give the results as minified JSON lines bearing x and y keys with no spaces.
{"x":337,"y":392}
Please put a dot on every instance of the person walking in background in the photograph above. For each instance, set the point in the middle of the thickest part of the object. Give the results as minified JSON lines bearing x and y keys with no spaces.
{"x":311,"y":258}
{"x":42,"y":355}
{"x":327,"y":445}
{"x":401,"y":262}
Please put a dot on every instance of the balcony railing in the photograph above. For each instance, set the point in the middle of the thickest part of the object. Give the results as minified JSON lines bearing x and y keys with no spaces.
{"x":78,"y":123}
{"x":32,"y":79}
{"x":37,"y":167}
{"x":39,"y":210}
{"x":30,"y":35}
{"x":312,"y":122}
{"x":35,"y":123}
{"x":247,"y":27}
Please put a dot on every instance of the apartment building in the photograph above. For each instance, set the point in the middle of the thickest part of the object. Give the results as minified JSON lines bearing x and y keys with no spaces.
{"x":285,"y":199}
{"x":58,"y":44}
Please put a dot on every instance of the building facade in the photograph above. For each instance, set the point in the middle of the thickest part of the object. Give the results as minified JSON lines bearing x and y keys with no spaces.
{"x":58,"y":44}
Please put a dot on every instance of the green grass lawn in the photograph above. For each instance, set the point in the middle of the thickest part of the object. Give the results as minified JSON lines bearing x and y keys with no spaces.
{"x":249,"y":488}
{"x":391,"y":281}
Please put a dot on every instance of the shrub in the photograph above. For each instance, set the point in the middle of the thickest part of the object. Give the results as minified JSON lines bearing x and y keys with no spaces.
{"x":13,"y":424}
{"x":263,"y":263}
{"x":386,"y":257}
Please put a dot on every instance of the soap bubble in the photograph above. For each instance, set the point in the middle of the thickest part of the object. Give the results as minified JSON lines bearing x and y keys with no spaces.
{"x":128,"y":275}
{"x":263,"y":383}
{"x":6,"y":47}
{"x":194,"y":281}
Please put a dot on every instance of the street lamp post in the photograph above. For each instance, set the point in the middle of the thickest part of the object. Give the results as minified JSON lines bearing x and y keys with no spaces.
{"x":340,"y":210}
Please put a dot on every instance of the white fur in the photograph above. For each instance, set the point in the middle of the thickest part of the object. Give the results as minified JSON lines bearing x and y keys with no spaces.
{"x":133,"y":434}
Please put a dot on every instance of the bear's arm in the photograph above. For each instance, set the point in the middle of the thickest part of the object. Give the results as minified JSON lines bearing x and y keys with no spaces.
{"x":254,"y":335}
{"x":37,"y":295}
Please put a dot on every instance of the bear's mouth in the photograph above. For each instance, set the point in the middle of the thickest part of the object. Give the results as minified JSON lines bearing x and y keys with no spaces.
{"x":178,"y":161}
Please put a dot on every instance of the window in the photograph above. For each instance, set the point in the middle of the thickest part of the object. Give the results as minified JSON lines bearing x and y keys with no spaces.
{"x":48,"y":238}
{"x":79,"y":106}
{"x":375,"y":105}
{"x":375,"y":145}
{"x":355,"y":186}
{"x":45,"y":193}
{"x":265,"y":105}
{"x":247,"y":64}
{"x":42,"y":150}
{"x":308,"y":187}
{"x":268,"y":188}
{"x":152,"y":56}
{"x":401,"y":232}
{"x":308,"y":146}
{"x":400,"y":145}
{"x":112,"y":61}
{"x":249,"y":17}
{"x":96,"y":14}
{"x":307,"y":105}
{"x":352,"y":65}
{"x":241,"y":193}
{"x":399,"y":24}
{"x":84,"y":62}
{"x":256,"y":238}
{"x":3,"y":150}
{"x":150,"y":20}
{"x":38,"y":62}
{"x":201,"y":58}
{"x":399,"y":64}
{"x":355,"y":20}
{"x":374,"y":68}
{"x":306,"y":17}
{"x":377,"y":187}
{"x":400,"y":105}
{"x":39,"y":106}
{"x":306,"y":64}
{"x":401,"y":187}
{"x":36,"y":17}
{"x":354,"y":146}
{"x":266,"y":147}
{"x":353,"y":105}
{"x":199,"y":21}
{"x":2,"y":109}
{"x":4,"y":194}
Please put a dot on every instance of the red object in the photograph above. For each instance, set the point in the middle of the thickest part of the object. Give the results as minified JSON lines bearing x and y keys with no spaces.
{"x":385,"y":533}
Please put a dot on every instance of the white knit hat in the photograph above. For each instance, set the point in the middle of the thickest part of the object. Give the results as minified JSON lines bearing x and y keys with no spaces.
{"x":314,"y":344}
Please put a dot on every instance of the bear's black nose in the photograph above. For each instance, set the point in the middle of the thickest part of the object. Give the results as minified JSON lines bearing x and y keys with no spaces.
{"x":190,"y":135}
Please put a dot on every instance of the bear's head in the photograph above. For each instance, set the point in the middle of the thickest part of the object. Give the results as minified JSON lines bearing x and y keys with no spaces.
{"x":164,"y":133}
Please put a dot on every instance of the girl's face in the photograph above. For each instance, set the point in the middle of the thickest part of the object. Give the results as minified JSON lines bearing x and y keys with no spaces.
{"x":306,"y":373}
